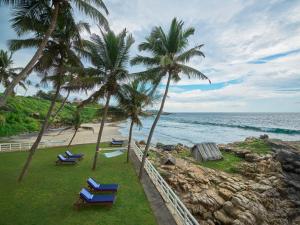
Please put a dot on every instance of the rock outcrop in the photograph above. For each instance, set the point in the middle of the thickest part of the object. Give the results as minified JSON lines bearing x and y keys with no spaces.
{"x":259,"y":194}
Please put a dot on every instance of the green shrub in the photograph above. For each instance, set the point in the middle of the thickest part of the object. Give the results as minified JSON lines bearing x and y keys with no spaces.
{"x":25,"y":114}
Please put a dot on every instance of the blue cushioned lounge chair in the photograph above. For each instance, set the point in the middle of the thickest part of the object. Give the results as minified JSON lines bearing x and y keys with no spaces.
{"x":63,"y":160}
{"x":116,"y":142}
{"x":95,"y":187}
{"x":70,"y":155}
{"x":87,"y":198}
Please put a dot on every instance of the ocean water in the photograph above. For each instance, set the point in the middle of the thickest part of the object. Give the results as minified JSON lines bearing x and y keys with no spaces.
{"x":191,"y":128}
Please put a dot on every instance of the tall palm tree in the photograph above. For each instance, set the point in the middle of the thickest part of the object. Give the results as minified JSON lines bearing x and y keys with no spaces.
{"x":7,"y":72}
{"x":133,"y":98}
{"x":109,"y":54}
{"x":29,"y":15}
{"x":58,"y":57}
{"x":167,"y":58}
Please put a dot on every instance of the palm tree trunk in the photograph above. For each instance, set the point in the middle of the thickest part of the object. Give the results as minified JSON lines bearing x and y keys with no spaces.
{"x":72,"y":138}
{"x":129,"y":140}
{"x":62,"y":105}
{"x":101,"y":131}
{"x":9,"y":90}
{"x":40,"y":135}
{"x":153,"y":127}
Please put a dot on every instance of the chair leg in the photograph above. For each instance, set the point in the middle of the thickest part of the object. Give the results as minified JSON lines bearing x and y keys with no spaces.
{"x":78,"y":203}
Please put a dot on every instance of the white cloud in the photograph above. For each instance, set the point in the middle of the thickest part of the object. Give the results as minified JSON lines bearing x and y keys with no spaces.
{"x":234,"y":32}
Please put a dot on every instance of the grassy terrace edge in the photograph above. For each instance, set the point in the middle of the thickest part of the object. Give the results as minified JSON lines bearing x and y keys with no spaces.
{"x":47,"y":194}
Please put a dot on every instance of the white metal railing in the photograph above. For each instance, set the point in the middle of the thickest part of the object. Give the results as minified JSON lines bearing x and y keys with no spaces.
{"x":10,"y":147}
{"x":166,"y":191}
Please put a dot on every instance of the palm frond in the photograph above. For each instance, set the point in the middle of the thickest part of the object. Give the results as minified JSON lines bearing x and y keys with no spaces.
{"x":191,"y":72}
{"x":187,"y":55}
{"x":145,"y":60}
{"x":91,"y":11}
{"x":17,"y":44}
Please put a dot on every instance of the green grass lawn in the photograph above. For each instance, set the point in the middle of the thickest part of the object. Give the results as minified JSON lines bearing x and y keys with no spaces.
{"x":257,"y":146}
{"x":47,"y":194}
{"x":227,"y":164}
{"x":230,"y":161}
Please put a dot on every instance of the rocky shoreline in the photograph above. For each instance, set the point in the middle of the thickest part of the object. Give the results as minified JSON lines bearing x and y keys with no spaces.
{"x":264,"y":190}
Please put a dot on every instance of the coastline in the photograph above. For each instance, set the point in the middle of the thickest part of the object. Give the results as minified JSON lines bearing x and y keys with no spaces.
{"x":111,"y":130}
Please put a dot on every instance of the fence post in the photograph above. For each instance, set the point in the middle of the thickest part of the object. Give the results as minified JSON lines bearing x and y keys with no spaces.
{"x":185,"y":217}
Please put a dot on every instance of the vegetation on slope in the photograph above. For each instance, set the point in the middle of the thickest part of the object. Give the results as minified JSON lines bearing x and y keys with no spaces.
{"x":46,"y":197}
{"x":227,"y":164}
{"x":25,"y":114}
{"x":230,"y":161}
{"x":256,"y":146}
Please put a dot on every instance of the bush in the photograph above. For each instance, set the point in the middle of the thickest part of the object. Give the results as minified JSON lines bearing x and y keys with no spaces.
{"x":25,"y":114}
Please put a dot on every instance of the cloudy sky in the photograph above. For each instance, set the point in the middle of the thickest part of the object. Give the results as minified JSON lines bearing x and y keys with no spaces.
{"x":252,"y":51}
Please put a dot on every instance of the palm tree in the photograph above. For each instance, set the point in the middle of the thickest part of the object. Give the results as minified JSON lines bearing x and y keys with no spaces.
{"x":29,"y":15}
{"x":167,"y":57}
{"x":7,"y":72}
{"x":62,"y":105}
{"x":133,"y":98}
{"x":109,"y":54}
{"x":58,"y":58}
{"x":76,"y":124}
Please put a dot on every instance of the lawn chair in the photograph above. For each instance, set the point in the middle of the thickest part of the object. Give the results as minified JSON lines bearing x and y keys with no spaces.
{"x":67,"y":161}
{"x":95,"y":187}
{"x":116,"y":142}
{"x":86,"y":198}
{"x":70,"y":155}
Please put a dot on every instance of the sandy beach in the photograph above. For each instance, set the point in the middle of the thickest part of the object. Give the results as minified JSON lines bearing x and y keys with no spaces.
{"x":83,"y":136}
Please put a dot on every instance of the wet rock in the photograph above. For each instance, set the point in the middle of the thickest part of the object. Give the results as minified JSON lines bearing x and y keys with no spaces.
{"x":241,"y":153}
{"x":264,"y":137}
{"x":169,"y":148}
{"x":168,"y":160}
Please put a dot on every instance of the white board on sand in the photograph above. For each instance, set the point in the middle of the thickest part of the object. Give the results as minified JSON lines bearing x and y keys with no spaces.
{"x":113,"y":154}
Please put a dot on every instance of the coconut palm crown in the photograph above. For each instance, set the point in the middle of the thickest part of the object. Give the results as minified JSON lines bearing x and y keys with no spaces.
{"x":167,"y":56}
{"x":7,"y":71}
{"x":133,"y":98}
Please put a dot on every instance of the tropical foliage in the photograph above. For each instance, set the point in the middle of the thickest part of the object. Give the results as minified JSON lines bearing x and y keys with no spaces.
{"x":50,"y":27}
{"x":7,"y":72}
{"x":58,"y":64}
{"x":41,"y":18}
{"x":76,"y":124}
{"x":133,"y":98}
{"x":26,"y":115}
{"x":167,"y":56}
{"x":109,"y":55}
